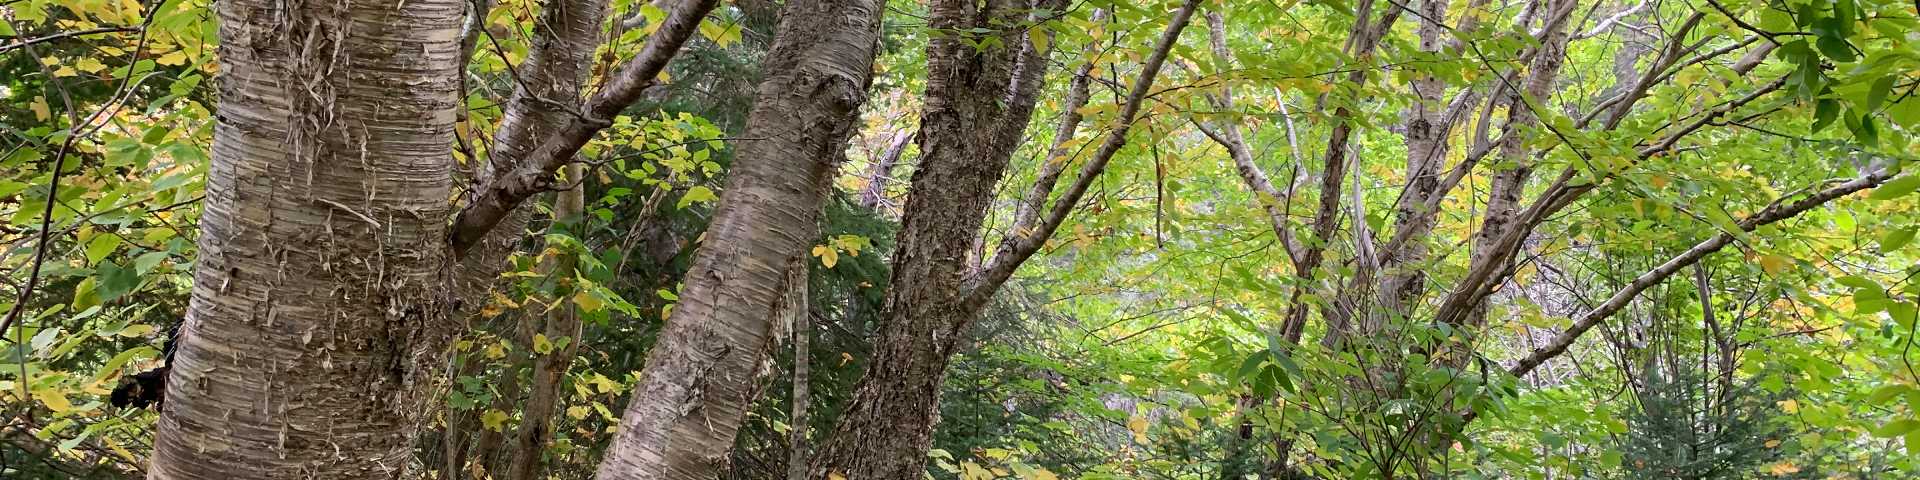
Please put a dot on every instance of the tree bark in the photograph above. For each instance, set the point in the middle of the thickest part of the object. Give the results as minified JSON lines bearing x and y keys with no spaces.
{"x":694,"y":391}
{"x":978,"y":103}
{"x":800,"y":315}
{"x":316,"y":315}
{"x":536,"y":420}
{"x":875,"y":191}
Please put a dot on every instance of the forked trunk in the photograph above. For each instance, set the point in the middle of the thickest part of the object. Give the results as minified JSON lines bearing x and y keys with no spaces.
{"x":316,"y":313}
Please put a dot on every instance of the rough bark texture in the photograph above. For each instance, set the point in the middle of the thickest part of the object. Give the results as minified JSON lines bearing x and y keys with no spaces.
{"x":978,"y":103}
{"x":693,"y":394}
{"x":1427,"y":130}
{"x":1508,"y":184}
{"x":967,"y":136}
{"x":316,"y":312}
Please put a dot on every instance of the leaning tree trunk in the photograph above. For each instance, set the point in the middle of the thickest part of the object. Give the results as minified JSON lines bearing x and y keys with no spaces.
{"x":964,"y":149}
{"x":978,"y":104}
{"x":693,"y":394}
{"x":316,"y":314}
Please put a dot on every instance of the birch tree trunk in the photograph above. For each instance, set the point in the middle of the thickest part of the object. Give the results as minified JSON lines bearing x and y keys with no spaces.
{"x":693,"y":394}
{"x":316,"y":312}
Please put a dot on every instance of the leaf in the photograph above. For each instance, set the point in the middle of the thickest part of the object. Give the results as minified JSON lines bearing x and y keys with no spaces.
{"x":40,"y":109}
{"x":1896,"y":188}
{"x":103,"y":244}
{"x":55,"y":400}
{"x":1897,"y":428}
{"x":1896,"y":238}
{"x":1858,"y":282}
{"x":1835,"y":48}
{"x":696,"y":194}
{"x":1877,"y":94}
{"x":1773,"y":264}
{"x":541,"y":345}
{"x":589,"y":302}
{"x":146,"y":261}
{"x":1825,"y":112}
{"x":578,"y":412}
{"x":174,"y":58}
{"x":494,"y":420}
{"x":1138,"y":425}
{"x":116,"y":281}
{"x":828,"y":256}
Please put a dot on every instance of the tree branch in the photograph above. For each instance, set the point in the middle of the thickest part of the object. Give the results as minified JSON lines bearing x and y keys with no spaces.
{"x":495,"y":198}
{"x":1016,"y":249}
{"x":1774,"y":212}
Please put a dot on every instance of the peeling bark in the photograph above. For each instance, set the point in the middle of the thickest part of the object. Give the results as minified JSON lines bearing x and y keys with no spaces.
{"x":316,"y":316}
{"x":694,"y":391}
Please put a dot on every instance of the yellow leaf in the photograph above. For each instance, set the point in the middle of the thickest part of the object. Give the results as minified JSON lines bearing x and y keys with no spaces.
{"x":65,"y":71}
{"x":577,"y":412}
{"x":50,"y":61}
{"x":1790,"y":406}
{"x":835,"y":476}
{"x":497,"y":350}
{"x":136,"y":330}
{"x":90,"y":65}
{"x":973,"y":471}
{"x":175,"y":58}
{"x":1138,"y":425}
{"x":604,"y":384}
{"x":588,"y":302}
{"x":1042,"y":474}
{"x":494,"y":420}
{"x":40,"y":110}
{"x":1783,"y":468}
{"x":541,"y":345}
{"x":828,"y":256}
{"x":1772,"y":443}
{"x":1773,"y":264}
{"x":54,"y":400}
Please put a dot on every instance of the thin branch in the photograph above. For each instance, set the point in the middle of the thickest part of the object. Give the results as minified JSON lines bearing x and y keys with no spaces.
{"x":1015,"y":250}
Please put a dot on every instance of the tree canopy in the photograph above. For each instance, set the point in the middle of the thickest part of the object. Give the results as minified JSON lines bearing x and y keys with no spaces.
{"x":1093,"y":239}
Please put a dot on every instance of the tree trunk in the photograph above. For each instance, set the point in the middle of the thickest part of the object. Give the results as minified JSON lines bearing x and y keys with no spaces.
{"x":875,"y":191}
{"x":887,"y":428}
{"x":978,"y":103}
{"x":1503,"y":201}
{"x":536,"y":421}
{"x":693,"y":393}
{"x":801,"y":316}
{"x":317,"y":313}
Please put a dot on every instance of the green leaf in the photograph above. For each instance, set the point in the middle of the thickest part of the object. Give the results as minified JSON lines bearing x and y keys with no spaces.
{"x":1835,"y":48}
{"x":103,"y":244}
{"x":1897,"y":428}
{"x":146,"y":261}
{"x":1858,"y":282}
{"x":116,"y":281}
{"x":1896,"y":188}
{"x":696,"y":194}
{"x":1824,"y":113}
{"x":1895,"y":239}
{"x":1878,"y":93}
